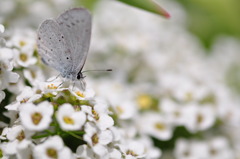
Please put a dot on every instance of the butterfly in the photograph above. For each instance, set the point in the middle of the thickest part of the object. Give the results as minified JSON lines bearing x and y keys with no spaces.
{"x":63,"y":43}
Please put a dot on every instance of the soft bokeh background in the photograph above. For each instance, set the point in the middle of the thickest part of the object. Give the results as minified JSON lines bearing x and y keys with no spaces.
{"x":177,"y":79}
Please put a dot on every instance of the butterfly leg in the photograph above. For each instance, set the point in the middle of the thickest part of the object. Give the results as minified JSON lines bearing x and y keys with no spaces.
{"x":54,"y":78}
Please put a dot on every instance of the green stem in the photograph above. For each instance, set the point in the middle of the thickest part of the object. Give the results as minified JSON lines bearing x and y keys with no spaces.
{"x":74,"y":135}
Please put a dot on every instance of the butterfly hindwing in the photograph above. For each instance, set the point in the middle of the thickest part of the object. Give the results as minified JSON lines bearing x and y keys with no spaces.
{"x":75,"y":24}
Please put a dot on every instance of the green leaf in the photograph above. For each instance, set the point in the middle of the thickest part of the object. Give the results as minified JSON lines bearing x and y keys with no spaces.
{"x":148,"y":5}
{"x":90,"y":4}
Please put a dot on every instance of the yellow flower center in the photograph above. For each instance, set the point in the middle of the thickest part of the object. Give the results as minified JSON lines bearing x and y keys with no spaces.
{"x":188,"y":96}
{"x":36,"y":118}
{"x":96,"y":116}
{"x":95,"y":139}
{"x":119,"y":110}
{"x":23,"y":57}
{"x":52,"y":153}
{"x":144,"y":101}
{"x":177,"y":113}
{"x":68,"y":120}
{"x":22,"y":43}
{"x":199,"y":118}
{"x":130,"y":152}
{"x":51,"y":86}
{"x":21,"y":136}
{"x":3,"y":67}
{"x":33,"y":74}
{"x":213,"y":151}
{"x":160,"y":126}
{"x":24,"y":100}
{"x":80,"y":94}
{"x":186,"y":153}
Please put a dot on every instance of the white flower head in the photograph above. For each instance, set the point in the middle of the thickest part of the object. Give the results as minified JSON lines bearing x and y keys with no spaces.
{"x":156,"y":125}
{"x":24,"y":57}
{"x":100,"y":116}
{"x":53,"y":86}
{"x":70,"y":119}
{"x":219,"y":148}
{"x":84,"y":151}
{"x":16,"y":135}
{"x":23,"y":39}
{"x":6,"y":74}
{"x":34,"y":75}
{"x":172,"y":111}
{"x":24,"y":150}
{"x":2,"y":29}
{"x":97,"y":139}
{"x":80,"y":94}
{"x":2,"y":40}
{"x":125,"y":110}
{"x":133,"y":149}
{"x":18,"y":87}
{"x":53,"y":147}
{"x":149,"y":149}
{"x":26,"y":96}
{"x":2,"y":96}
{"x":185,"y":149}
{"x":36,"y":117}
{"x":198,"y":117}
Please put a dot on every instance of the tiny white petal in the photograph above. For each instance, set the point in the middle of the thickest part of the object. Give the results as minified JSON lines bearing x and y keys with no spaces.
{"x":1,"y":28}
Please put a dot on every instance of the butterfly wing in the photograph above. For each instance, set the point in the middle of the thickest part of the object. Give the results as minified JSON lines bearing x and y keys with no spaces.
{"x":75,"y":24}
{"x":53,"y":48}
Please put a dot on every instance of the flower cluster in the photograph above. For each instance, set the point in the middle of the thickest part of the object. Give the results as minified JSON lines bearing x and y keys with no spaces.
{"x":166,"y":98}
{"x":57,"y":119}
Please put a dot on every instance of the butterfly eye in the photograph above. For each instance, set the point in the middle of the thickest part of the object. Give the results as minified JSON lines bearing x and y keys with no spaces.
{"x":78,"y":77}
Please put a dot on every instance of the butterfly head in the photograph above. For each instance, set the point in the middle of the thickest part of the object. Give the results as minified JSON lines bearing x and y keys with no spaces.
{"x":80,"y":76}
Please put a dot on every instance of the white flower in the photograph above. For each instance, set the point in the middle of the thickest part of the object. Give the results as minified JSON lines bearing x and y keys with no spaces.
{"x":219,"y":148}
{"x":27,"y":96}
{"x":86,"y":94}
{"x":24,"y":150}
{"x":114,"y":153}
{"x":34,"y":75}
{"x":25,"y":57}
{"x":36,"y":117}
{"x":183,"y":88}
{"x":18,"y":87}
{"x":23,"y":39}
{"x":53,"y":147}
{"x":70,"y":119}
{"x":97,"y":139}
{"x":133,"y":150}
{"x":125,"y":109}
{"x":172,"y":111}
{"x":2,"y":96}
{"x":1,"y":29}
{"x":53,"y":86}
{"x":155,"y":125}
{"x":85,"y":152}
{"x":6,"y":74}
{"x":190,"y":150}
{"x":198,"y":117}
{"x":100,"y":116}
{"x":150,"y":151}
{"x":16,"y":135}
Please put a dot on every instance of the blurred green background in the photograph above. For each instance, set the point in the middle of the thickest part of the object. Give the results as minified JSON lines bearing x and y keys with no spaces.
{"x":210,"y":18}
{"x":207,"y":19}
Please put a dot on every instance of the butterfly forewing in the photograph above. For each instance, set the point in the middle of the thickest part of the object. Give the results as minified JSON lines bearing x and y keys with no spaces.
{"x":52,"y":46}
{"x":63,"y":43}
{"x":75,"y":24}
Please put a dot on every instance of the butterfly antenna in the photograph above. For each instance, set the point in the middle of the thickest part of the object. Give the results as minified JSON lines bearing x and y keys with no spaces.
{"x":107,"y":70}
